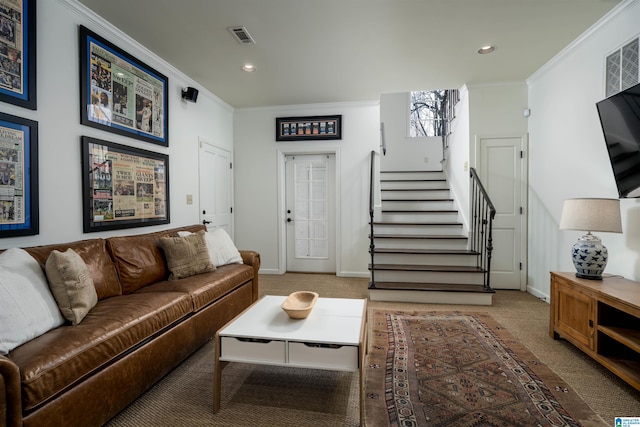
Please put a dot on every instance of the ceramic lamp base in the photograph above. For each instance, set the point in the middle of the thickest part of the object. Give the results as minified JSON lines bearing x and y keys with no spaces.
{"x":589,"y":257}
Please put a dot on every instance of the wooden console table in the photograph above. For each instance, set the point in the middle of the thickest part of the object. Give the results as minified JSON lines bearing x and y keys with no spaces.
{"x":601,"y":318}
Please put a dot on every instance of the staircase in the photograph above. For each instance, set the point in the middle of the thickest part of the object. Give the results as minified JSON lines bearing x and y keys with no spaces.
{"x":419,"y":248}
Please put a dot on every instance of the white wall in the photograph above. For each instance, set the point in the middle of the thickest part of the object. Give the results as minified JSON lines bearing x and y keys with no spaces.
{"x":257,"y":215}
{"x":59,"y":129}
{"x":568,"y":157}
{"x":496,"y":110}
{"x":404,"y":153}
{"x":490,"y":110}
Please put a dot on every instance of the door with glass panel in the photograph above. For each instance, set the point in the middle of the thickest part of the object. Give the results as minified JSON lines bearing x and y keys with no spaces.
{"x":310,"y":213}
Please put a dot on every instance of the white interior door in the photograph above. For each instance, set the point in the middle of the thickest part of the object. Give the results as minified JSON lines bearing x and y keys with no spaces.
{"x":216,"y":187}
{"x":310,"y":213}
{"x":502,"y":170}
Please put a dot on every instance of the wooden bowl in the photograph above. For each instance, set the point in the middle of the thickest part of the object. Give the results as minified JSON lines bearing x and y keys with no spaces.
{"x":299,"y":304}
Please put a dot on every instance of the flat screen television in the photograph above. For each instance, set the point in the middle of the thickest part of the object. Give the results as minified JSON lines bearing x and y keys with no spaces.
{"x":620,"y":120}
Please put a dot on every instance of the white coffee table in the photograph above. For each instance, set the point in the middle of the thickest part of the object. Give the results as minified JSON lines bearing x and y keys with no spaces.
{"x":332,"y":337}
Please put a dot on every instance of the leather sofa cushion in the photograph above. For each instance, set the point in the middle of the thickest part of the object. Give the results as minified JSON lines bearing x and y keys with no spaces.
{"x":139,"y":260}
{"x":95,"y":255}
{"x":206,"y":287}
{"x":56,"y":360}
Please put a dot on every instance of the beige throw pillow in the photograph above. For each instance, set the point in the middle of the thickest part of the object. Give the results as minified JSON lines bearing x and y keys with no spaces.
{"x":71,"y":284}
{"x":186,"y":256}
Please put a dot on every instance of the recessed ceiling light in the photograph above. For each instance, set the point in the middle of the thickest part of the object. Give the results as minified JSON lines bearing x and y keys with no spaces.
{"x":486,"y":49}
{"x":249,"y":68}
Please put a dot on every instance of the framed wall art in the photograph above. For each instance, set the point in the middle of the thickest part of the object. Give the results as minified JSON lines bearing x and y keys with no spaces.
{"x":18,"y":53}
{"x":121,"y":94}
{"x":123,"y":187}
{"x":18,"y":176}
{"x":308,"y":128}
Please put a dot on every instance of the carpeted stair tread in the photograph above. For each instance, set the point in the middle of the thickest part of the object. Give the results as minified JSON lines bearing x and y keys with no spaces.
{"x":387,"y":223}
{"x":424,"y":251}
{"x":440,"y":268}
{"x":417,"y":200}
{"x":448,"y":287}
{"x":419,"y":236}
{"x":420,"y":211}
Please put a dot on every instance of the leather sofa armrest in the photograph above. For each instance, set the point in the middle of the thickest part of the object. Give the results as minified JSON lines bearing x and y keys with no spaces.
{"x":11,"y":398}
{"x":252,"y":258}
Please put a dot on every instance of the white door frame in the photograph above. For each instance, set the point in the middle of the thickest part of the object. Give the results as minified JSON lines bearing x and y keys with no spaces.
{"x":282,"y":215}
{"x":524,"y":195}
{"x":201,"y":143}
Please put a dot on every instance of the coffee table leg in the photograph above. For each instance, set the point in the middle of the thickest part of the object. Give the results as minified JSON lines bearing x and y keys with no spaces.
{"x":217,"y":377}
{"x":363,"y":350}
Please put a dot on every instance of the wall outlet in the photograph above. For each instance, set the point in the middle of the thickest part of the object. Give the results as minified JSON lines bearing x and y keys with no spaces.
{"x":189,"y":199}
{"x":466,"y":166}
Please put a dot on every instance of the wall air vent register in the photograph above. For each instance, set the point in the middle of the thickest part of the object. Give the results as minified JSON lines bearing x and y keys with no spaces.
{"x":623,"y":68}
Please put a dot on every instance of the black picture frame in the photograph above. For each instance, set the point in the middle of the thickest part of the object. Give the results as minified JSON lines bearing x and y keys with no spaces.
{"x":308,"y":128}
{"x":18,"y":54}
{"x":19,"y":201}
{"x":123,"y":187}
{"x":121,"y":94}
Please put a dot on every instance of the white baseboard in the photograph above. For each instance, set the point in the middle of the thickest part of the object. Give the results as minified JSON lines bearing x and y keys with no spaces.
{"x":536,"y":293}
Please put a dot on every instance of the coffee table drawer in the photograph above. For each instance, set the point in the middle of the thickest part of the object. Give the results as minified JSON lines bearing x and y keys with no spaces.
{"x":325,"y":356}
{"x":248,"y":349}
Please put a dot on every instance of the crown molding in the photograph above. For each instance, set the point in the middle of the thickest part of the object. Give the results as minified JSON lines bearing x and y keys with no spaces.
{"x":602,"y":22}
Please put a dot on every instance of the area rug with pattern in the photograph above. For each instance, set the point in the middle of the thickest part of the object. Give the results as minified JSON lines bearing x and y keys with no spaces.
{"x":461,"y":369}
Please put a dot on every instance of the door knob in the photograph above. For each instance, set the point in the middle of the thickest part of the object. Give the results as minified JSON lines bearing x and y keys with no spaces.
{"x":205,"y":222}
{"x":289,"y":220}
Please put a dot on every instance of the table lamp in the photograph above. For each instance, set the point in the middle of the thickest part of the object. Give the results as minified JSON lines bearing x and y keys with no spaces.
{"x":589,"y":254}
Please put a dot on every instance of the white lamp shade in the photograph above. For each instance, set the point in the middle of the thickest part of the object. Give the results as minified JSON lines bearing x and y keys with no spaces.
{"x":591,"y":215}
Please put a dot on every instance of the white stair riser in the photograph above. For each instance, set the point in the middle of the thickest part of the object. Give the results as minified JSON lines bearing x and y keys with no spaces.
{"x":418,"y":205}
{"x":431,"y":297}
{"x":416,"y":194}
{"x":399,"y":243}
{"x":419,"y":216}
{"x":412,"y":175}
{"x":426,"y":259}
{"x":414,"y":185}
{"x":429,"y":277}
{"x":420,"y":230}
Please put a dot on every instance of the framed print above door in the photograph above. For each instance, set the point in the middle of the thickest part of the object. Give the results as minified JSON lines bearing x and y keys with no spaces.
{"x":121,"y":94}
{"x":308,"y":128}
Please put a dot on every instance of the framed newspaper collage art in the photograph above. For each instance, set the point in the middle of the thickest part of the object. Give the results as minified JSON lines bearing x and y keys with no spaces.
{"x":123,"y":187}
{"x":18,"y":176}
{"x":18,"y":52}
{"x":119,"y":93}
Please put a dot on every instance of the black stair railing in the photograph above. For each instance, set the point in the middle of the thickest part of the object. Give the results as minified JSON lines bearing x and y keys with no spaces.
{"x":448,"y":108}
{"x":482,"y":214}
{"x":371,"y":215}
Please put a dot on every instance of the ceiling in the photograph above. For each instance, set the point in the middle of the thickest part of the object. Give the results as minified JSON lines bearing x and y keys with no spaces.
{"x":318,"y":51}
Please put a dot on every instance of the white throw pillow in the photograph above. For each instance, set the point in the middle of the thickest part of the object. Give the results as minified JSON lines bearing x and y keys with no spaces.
{"x":222,"y":251}
{"x":27,"y":307}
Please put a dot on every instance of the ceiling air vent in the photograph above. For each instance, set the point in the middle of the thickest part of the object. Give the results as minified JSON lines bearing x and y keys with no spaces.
{"x":242,"y":35}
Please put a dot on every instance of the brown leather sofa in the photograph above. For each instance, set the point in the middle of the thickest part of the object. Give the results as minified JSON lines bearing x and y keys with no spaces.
{"x":142,"y":327}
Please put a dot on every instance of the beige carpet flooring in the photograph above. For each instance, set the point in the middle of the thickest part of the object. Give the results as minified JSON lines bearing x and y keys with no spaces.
{"x":255,"y":395}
